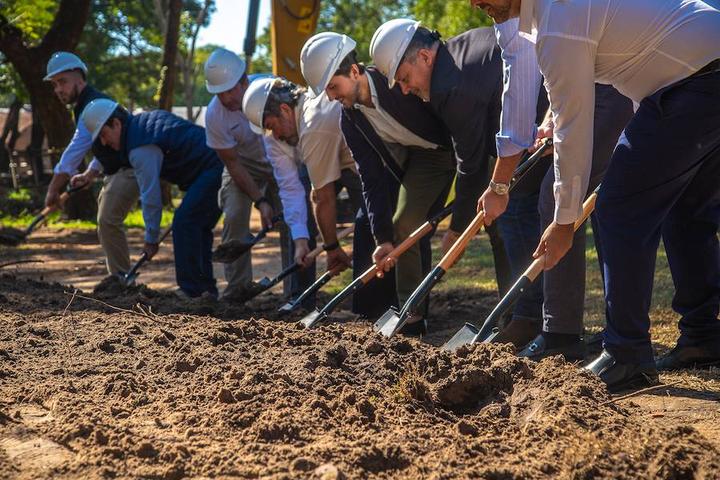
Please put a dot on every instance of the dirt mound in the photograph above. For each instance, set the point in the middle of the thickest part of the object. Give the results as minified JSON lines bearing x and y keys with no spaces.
{"x":120,"y":394}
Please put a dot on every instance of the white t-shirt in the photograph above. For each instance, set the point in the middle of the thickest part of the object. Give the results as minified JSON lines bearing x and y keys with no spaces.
{"x":226,"y":129}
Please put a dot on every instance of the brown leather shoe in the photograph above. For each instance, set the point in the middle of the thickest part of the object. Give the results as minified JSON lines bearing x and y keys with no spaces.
{"x":520,"y":331}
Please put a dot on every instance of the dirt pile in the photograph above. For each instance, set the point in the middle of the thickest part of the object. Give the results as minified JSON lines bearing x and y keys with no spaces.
{"x":88,"y":393}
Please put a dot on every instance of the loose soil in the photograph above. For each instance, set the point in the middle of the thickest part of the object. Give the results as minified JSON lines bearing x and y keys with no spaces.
{"x":168,"y":390}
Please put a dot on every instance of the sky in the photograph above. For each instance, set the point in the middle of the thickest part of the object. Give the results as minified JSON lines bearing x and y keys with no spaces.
{"x":229,"y":22}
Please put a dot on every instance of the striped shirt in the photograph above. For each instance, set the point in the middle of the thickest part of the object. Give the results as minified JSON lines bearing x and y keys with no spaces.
{"x":520,"y":90}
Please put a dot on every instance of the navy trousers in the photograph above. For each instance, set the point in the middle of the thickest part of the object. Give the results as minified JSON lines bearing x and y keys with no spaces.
{"x":193,"y":225}
{"x":664,"y":181}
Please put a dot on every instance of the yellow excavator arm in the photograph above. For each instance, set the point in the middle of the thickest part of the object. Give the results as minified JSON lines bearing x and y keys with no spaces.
{"x":293,"y":22}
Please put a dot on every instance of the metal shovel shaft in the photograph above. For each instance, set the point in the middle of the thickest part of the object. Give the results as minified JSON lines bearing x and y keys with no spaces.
{"x":312,"y":289}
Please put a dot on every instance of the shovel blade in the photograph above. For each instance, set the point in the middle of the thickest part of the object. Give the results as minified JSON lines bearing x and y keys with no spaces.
{"x":125,"y":279}
{"x":465,"y":336}
{"x":287,"y":308}
{"x":388,"y":323}
{"x":312,"y":318}
{"x":230,"y":251}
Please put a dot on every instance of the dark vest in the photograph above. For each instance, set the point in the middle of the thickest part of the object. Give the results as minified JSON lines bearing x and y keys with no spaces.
{"x":110,"y":159}
{"x":185,"y":153}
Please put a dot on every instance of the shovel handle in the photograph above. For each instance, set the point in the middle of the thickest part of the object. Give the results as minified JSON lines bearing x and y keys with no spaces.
{"x":461,"y":243}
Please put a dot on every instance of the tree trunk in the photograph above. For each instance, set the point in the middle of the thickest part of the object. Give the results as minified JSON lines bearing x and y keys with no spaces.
{"x":9,"y":134}
{"x":169,"y":64}
{"x":30,"y":62}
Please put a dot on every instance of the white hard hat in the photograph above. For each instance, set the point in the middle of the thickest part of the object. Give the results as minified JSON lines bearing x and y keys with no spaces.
{"x":321,"y":56}
{"x":253,"y":105}
{"x":389,"y":43}
{"x":223,"y":70}
{"x":62,"y":62}
{"x":96,"y":113}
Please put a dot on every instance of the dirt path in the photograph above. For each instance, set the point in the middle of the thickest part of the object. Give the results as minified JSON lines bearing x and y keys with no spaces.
{"x":199,"y":391}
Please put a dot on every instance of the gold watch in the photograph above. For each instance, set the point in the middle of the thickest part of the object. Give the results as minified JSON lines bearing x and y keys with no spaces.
{"x":499,"y":188}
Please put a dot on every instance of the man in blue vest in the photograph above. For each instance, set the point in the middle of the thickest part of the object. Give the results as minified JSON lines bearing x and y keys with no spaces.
{"x":159,"y":145}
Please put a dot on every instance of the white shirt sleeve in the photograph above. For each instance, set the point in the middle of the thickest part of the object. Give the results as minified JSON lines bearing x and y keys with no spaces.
{"x":74,"y":153}
{"x":569,"y":68}
{"x":292,"y":191}
{"x":217,"y":129}
{"x":521,"y":87}
{"x":95,"y":165}
{"x":147,"y":163}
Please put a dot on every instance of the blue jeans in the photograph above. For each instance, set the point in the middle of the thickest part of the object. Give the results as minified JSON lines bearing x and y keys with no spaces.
{"x":193,"y":226}
{"x":520,"y":230}
{"x":664,"y":181}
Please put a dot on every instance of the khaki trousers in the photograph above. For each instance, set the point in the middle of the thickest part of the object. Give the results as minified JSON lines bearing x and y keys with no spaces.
{"x":119,"y":195}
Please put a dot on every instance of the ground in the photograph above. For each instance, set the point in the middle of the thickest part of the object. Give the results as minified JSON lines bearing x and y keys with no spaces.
{"x":137,"y":384}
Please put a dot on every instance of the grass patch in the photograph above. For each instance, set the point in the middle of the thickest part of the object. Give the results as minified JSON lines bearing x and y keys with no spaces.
{"x":133,"y":220}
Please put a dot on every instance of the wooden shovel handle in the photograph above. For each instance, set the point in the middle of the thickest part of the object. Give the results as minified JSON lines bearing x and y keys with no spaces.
{"x":61,"y":201}
{"x":536,"y":267}
{"x":461,"y":243}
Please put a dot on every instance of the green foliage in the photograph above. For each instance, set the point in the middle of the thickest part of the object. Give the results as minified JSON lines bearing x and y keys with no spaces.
{"x":32,"y":17}
{"x":359,"y":20}
{"x":55,"y":221}
{"x":450,"y":17}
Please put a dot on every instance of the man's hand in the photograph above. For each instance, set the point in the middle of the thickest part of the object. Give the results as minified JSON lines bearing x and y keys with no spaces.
{"x":58,"y":182}
{"x":449,"y":240}
{"x":493,"y":204}
{"x":382,"y":261}
{"x":301,"y":250}
{"x":338,"y":260}
{"x":83,"y":179}
{"x":266,"y":214}
{"x":150,"y":249}
{"x":544,"y":131}
{"x":555,"y":243}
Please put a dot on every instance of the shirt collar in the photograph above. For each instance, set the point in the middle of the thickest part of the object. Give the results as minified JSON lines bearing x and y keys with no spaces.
{"x":527,"y":11}
{"x":373,"y":94}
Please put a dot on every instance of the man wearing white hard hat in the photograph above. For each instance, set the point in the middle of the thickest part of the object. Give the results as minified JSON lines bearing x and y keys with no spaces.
{"x":461,"y":80}
{"x":402,"y":150}
{"x":250,"y":162}
{"x":119,"y":194}
{"x":663,"y":180}
{"x":161,"y":146}
{"x":312,"y":123}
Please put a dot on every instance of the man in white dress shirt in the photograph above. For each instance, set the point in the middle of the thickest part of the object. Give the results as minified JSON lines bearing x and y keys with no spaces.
{"x":664,"y":176}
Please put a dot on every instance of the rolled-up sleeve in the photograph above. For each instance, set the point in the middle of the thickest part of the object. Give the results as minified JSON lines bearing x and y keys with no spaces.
{"x":74,"y":153}
{"x":521,"y":86}
{"x":568,"y":65}
{"x":292,"y":191}
{"x":147,"y":163}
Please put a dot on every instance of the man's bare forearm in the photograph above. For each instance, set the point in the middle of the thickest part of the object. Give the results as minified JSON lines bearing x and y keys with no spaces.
{"x":239,"y":173}
{"x":504,"y":168}
{"x":326,"y":213}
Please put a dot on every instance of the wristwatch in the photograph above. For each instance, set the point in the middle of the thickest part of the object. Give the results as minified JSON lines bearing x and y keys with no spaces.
{"x":499,"y":188}
{"x":332,"y":246}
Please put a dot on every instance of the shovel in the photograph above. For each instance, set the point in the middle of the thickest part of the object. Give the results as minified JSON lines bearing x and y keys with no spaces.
{"x":470,"y":334}
{"x":230,"y":251}
{"x":14,"y":237}
{"x":312,"y":318}
{"x":267,"y":283}
{"x":393,"y":320}
{"x":127,"y":279}
{"x":315,"y":287}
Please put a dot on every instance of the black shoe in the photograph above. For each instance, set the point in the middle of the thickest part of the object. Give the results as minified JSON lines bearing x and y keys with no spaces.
{"x":623,"y":376}
{"x":539,"y":349}
{"x":594,"y":343}
{"x":415,"y":329}
{"x":691,"y":356}
{"x":520,"y":331}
